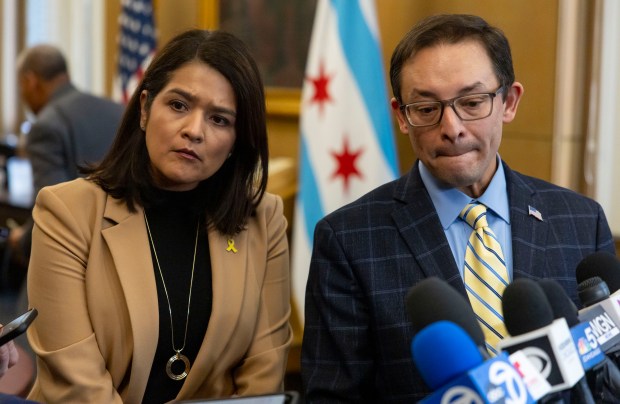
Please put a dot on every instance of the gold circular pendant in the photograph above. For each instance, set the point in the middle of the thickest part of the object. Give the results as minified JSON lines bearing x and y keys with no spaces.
{"x":177,"y":357}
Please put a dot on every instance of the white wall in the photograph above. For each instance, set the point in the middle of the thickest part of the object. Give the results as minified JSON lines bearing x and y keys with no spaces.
{"x":602,"y":162}
{"x":8,"y":83}
{"x":77,"y":28}
{"x":570,"y":86}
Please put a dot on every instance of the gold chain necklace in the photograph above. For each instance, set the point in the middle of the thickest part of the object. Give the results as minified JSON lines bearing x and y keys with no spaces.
{"x":178,"y":356}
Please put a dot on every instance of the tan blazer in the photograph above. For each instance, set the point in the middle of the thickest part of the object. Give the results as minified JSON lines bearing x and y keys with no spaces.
{"x":91,"y":278}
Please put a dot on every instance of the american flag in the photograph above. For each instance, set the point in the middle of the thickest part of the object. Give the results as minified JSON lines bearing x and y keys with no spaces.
{"x":534,"y":212}
{"x":137,"y":43}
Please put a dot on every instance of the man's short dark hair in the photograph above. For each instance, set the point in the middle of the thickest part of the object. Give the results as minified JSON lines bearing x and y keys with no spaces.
{"x":46,"y":61}
{"x":451,"y":29}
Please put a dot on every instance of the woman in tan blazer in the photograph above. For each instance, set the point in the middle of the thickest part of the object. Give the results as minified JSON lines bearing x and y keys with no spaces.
{"x":164,"y":275}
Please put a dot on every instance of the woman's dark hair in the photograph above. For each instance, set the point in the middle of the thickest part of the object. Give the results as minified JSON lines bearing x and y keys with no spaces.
{"x":233,"y":192}
{"x":451,"y":29}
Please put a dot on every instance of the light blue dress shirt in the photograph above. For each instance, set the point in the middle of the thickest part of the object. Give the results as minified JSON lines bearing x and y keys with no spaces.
{"x":450,"y":201}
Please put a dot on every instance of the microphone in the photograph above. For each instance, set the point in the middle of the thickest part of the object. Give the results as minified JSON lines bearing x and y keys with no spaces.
{"x":433,"y":299}
{"x":592,"y":291}
{"x":443,"y":351}
{"x":602,"y":264}
{"x":546,"y":342}
{"x":562,"y":306}
{"x":601,"y":309}
{"x":602,"y":375}
{"x":451,"y":364}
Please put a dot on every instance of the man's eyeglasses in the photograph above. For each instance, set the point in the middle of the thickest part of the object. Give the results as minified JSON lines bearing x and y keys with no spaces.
{"x":469,"y":107}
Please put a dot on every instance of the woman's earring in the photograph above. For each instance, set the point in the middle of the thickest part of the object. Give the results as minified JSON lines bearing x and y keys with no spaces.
{"x":229,"y":154}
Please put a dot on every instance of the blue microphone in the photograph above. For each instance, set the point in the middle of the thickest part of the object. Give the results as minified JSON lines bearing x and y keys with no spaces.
{"x":452,"y":365}
{"x":452,"y":353}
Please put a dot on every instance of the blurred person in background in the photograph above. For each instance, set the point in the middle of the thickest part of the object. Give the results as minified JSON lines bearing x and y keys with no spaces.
{"x":71,"y":128}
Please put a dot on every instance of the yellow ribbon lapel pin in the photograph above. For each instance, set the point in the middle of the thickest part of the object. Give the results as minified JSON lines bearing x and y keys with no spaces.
{"x":231,"y":246}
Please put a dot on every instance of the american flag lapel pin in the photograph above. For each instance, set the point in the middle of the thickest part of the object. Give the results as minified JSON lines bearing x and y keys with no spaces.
{"x":532,"y":211}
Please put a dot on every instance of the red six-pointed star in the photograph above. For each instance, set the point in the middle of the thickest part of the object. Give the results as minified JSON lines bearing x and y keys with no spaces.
{"x":346,"y":161}
{"x":321,"y":95}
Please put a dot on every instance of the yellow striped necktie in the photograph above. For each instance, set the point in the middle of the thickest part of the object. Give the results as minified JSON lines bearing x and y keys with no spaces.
{"x":485,"y":274}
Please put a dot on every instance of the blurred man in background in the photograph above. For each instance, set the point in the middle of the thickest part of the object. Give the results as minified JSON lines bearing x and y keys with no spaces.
{"x":71,"y":129}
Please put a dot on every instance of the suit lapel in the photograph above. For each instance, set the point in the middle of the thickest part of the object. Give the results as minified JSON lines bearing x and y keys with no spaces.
{"x":419,"y":224}
{"x":129,"y":247}
{"x":529,"y":234}
{"x":229,"y":276}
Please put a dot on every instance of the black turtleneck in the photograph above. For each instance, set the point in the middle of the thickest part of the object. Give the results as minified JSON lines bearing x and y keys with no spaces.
{"x":173,"y":218}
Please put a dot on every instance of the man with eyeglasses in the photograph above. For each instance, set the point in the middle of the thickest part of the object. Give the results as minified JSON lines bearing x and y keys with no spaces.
{"x":454,"y":88}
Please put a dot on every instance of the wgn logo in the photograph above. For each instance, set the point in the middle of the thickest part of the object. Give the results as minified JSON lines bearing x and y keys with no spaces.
{"x":506,"y":386}
{"x":602,"y":329}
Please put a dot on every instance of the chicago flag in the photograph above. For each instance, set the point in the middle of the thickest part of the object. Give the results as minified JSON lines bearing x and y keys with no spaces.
{"x":347,"y":142}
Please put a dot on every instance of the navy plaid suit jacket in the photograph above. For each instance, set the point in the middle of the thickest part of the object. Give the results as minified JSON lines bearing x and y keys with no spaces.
{"x":368,"y":254}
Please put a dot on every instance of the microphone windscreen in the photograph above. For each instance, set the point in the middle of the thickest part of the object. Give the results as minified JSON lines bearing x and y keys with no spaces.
{"x":432,"y":299}
{"x":602,"y":264}
{"x":525,"y":306}
{"x":592,"y":291}
{"x":561,"y":305}
{"x":443,"y":351}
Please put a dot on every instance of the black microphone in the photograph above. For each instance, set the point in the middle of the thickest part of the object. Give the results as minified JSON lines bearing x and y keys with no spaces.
{"x":433,"y":299}
{"x":602,"y":264}
{"x":602,"y":377}
{"x":546,"y":342}
{"x":592,"y":291}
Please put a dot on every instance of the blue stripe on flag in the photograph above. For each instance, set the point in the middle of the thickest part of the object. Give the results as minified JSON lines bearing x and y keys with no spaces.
{"x":309,"y":191}
{"x":361,"y":49}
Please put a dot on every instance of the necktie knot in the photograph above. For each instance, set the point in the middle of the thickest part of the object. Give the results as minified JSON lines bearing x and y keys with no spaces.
{"x":475,"y":214}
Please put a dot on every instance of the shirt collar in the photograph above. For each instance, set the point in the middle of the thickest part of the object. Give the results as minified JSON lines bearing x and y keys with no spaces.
{"x":450,"y":201}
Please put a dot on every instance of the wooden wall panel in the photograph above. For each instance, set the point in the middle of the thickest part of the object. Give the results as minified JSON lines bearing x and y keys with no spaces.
{"x":531,"y":28}
{"x":112,"y":10}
